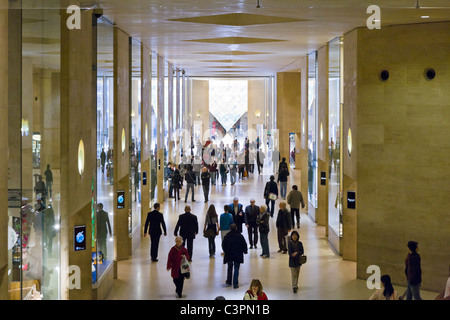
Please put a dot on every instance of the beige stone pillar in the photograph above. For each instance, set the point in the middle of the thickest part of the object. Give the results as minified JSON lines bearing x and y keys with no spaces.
{"x":288,"y":98}
{"x":121,"y":152}
{"x":160,"y":131}
{"x":145,"y":132}
{"x":301,"y":160}
{"x":4,"y":148}
{"x":322,"y":138}
{"x":78,"y":114}
{"x":349,"y":161}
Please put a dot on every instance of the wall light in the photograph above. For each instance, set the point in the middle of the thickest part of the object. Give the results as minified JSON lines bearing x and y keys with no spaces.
{"x":81,"y":157}
{"x":123,"y":141}
{"x":257,"y":113}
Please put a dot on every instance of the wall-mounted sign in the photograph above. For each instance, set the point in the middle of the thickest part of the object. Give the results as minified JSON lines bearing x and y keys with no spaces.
{"x":79,"y":238}
{"x":144,"y":178}
{"x":351,"y":199}
{"x":323,"y":178}
{"x":120,"y":199}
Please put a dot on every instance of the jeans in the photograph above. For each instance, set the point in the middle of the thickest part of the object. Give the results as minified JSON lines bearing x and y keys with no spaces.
{"x":231,"y":274}
{"x":213,"y":178}
{"x":412,"y":292}
{"x":272,"y":209}
{"x":49,"y":188}
{"x":212,"y":246}
{"x":189,"y":186}
{"x":265,"y":243}
{"x":283,"y":188}
{"x":233,"y":176}
{"x":223,"y":176}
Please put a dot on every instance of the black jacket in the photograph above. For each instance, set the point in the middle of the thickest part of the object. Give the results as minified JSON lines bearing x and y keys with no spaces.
{"x":234,"y":246}
{"x":188,"y":226}
{"x":251,"y":214}
{"x":295,"y":246}
{"x":189,"y":176}
{"x":177,"y":180}
{"x":206,"y":177}
{"x":271,"y":187}
{"x":284,"y":221}
{"x":155,"y":220}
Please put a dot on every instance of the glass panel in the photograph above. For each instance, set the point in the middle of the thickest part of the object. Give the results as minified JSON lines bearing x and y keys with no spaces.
{"x":312,"y":128}
{"x":103,"y":247}
{"x":34,"y":153}
{"x":334,"y":104}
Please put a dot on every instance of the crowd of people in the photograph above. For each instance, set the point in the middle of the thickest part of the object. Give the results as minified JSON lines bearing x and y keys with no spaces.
{"x":235,"y":218}
{"x":230,"y":223}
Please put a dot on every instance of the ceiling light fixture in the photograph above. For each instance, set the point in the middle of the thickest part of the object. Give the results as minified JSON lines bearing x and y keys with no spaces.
{"x":424,"y":17}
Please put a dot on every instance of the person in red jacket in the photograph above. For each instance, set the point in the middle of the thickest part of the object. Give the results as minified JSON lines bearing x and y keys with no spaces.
{"x":255,"y":292}
{"x":176,"y":254}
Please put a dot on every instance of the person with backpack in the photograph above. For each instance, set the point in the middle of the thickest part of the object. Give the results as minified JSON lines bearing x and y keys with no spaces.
{"x":283,"y":173}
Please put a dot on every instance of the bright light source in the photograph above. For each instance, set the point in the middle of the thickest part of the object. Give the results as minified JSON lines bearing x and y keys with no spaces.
{"x":425,"y":17}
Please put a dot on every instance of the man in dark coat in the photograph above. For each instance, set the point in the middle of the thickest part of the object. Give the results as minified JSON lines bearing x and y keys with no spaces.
{"x":237,"y":211}
{"x":250,"y":215}
{"x":188,"y":226}
{"x":154,"y":222}
{"x":234,"y":246}
{"x":284,"y":226}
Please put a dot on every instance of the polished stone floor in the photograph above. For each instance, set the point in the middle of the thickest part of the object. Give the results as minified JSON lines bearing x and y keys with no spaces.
{"x":326,"y":276}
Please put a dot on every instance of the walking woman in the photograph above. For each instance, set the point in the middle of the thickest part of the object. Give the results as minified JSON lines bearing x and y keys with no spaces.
{"x":177,"y":182}
{"x":255,"y":292}
{"x":295,"y":248}
{"x":211,"y":229}
{"x":176,"y":254}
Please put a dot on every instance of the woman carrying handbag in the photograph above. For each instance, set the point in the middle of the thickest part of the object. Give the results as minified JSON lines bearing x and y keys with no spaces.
{"x":296,"y":258}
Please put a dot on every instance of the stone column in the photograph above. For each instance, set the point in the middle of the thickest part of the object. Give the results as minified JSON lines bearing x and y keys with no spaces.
{"x":145,"y":132}
{"x":301,"y":160}
{"x":160,"y":131}
{"x":78,"y":169}
{"x":288,"y":98}
{"x":322,"y":138}
{"x":121,"y":151}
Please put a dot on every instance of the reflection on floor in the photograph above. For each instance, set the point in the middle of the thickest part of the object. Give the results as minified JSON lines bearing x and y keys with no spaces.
{"x":325,"y":276}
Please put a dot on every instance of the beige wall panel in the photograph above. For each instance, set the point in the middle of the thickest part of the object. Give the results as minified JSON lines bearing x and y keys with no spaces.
{"x":122,"y":241}
{"x":403,"y":169}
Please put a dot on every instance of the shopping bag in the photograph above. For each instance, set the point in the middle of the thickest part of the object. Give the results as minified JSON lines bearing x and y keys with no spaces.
{"x":185,"y":268}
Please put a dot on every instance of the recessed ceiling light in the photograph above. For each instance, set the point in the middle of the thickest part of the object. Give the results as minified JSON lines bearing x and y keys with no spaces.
{"x":425,"y":17}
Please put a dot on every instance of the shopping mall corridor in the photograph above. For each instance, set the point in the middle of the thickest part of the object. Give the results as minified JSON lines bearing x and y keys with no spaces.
{"x":326,"y":276}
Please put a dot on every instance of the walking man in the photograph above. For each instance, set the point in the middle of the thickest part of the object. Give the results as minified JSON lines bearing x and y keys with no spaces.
{"x":294,"y":199}
{"x":188,"y":226}
{"x":284,"y":226}
{"x":250,"y":216}
{"x":154,"y":222}
{"x":234,"y":246}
